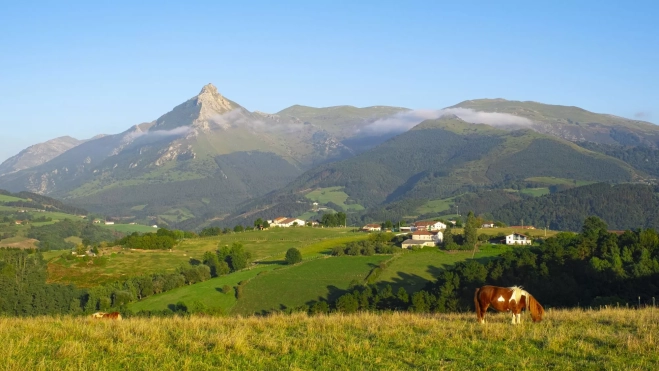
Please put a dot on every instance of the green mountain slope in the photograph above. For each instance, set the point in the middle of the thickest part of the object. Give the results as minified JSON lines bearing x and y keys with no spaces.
{"x":622,"y":206}
{"x":202,"y":158}
{"x":573,"y":123}
{"x":340,"y":121}
{"x":447,"y":157}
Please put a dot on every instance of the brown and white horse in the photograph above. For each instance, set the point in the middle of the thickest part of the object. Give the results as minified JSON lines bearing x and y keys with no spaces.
{"x":113,"y":315}
{"x":506,"y":299}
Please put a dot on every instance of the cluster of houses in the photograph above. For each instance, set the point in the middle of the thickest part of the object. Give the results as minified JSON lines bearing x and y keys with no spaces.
{"x":429,"y":233}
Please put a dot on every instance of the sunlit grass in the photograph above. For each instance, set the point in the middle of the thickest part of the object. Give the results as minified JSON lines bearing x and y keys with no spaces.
{"x":613,"y":339}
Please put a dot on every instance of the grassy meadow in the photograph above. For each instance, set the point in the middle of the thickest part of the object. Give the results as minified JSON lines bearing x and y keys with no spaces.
{"x":208,"y":293}
{"x":7,"y":198}
{"x":130,"y":228}
{"x":413,"y":269}
{"x":302,"y":283}
{"x":268,"y":245}
{"x":610,"y":339}
{"x":332,"y":194}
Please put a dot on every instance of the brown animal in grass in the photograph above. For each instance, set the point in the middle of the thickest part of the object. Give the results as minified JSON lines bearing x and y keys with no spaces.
{"x":113,"y":315}
{"x":507,"y":299}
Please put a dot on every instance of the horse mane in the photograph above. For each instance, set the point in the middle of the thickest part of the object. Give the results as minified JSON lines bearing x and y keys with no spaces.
{"x":537,"y":311}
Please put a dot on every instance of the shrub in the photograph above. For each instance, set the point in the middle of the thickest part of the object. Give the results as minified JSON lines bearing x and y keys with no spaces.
{"x":293,"y":256}
{"x":320,"y":307}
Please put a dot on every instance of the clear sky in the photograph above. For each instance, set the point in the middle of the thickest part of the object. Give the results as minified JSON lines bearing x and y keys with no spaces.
{"x":90,"y":67}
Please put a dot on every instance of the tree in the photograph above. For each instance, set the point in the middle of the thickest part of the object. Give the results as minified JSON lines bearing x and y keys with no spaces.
{"x":238,"y":257}
{"x":319,"y":307}
{"x":213,"y":262}
{"x":238,"y":228}
{"x":258,"y":222}
{"x":470,"y":231}
{"x":80,"y":249}
{"x":449,"y":243}
{"x":593,"y":227}
{"x":293,"y":256}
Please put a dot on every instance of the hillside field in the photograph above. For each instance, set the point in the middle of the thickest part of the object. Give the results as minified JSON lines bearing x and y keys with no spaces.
{"x":610,"y":339}
{"x":413,"y":269}
{"x":268,"y":245}
{"x":335,"y":195}
{"x":302,"y":283}
{"x":208,"y":293}
{"x":130,"y":228}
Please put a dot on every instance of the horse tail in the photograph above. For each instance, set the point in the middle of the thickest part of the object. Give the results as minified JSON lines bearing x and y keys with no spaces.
{"x":477,"y":303}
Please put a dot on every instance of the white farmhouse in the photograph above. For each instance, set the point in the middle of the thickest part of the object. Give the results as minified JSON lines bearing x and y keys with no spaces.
{"x":372,"y":228}
{"x":423,"y":238}
{"x":518,"y":239}
{"x":429,"y":226}
{"x":287,"y":222}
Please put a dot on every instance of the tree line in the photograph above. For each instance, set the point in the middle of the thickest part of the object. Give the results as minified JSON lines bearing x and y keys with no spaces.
{"x":24,"y":291}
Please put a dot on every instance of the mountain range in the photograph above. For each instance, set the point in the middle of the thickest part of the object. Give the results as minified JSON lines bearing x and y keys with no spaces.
{"x":210,"y":160}
{"x":206,"y":155}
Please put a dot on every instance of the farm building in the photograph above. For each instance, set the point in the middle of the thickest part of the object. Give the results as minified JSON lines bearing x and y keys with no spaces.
{"x":287,"y":222}
{"x":518,"y":239}
{"x":429,"y":225}
{"x":372,"y":228}
{"x":423,"y":238}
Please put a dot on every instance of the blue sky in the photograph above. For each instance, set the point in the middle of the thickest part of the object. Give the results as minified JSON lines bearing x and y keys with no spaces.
{"x":85,"y":68}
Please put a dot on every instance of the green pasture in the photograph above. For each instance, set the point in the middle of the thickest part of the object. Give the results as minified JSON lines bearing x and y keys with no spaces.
{"x":269,"y":245}
{"x":209,"y":293}
{"x":535,"y":192}
{"x":550,"y":180}
{"x":304,"y":283}
{"x":6,"y":198}
{"x":413,"y":269}
{"x":332,"y":194}
{"x":130,"y":228}
{"x":119,"y":264}
{"x":435,"y":206}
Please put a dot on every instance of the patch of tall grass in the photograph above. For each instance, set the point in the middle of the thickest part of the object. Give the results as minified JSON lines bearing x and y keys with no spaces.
{"x":613,"y":339}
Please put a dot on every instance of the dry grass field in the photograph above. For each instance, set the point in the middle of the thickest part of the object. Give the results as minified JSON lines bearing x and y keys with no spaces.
{"x":611,"y":339}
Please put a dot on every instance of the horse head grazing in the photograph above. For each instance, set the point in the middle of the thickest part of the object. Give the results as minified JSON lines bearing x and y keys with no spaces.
{"x":507,"y":299}
{"x":113,"y":315}
{"x":537,"y":311}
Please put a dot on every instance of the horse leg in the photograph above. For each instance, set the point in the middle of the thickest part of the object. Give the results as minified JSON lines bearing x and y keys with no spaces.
{"x":514,"y":309}
{"x":483,"y":311}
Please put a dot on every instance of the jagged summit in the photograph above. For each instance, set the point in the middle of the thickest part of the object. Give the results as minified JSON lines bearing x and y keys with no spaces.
{"x":198,"y":111}
{"x":208,"y":88}
{"x":212,"y":103}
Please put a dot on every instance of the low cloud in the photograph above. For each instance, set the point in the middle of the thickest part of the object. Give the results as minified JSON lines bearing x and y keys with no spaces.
{"x":237,"y":118}
{"x":179,"y":131}
{"x":404,"y":121}
{"x":643,"y":115}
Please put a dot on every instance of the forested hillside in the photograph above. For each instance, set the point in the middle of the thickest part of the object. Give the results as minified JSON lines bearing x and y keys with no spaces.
{"x":445,"y":158}
{"x":622,"y":206}
{"x":594,"y":268}
{"x":641,"y":158}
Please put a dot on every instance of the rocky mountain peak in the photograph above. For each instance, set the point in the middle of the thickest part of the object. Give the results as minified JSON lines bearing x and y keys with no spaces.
{"x":211,"y":103}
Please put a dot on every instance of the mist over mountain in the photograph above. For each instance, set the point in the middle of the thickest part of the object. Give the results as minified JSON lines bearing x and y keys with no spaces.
{"x":204,"y":156}
{"x":211,"y":160}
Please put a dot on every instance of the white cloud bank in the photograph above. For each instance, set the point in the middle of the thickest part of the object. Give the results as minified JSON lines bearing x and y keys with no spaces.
{"x":237,"y":118}
{"x":404,"y":121}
